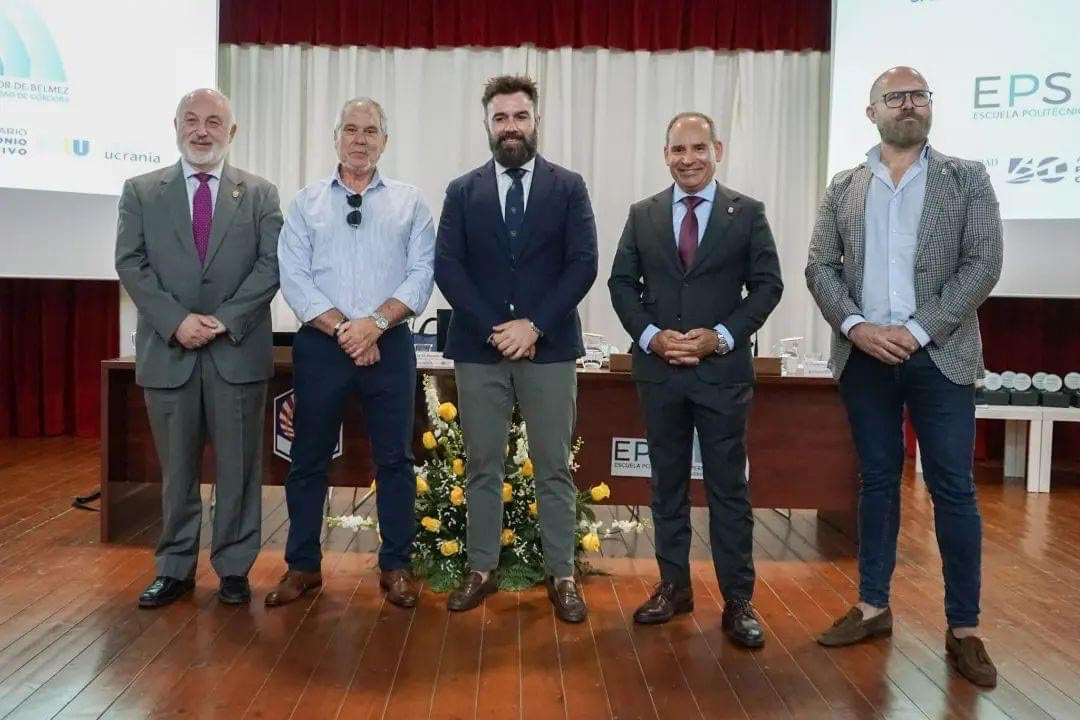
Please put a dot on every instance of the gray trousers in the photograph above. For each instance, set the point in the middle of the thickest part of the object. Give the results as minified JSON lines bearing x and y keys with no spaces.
{"x":181,"y":420}
{"x":547,"y":395}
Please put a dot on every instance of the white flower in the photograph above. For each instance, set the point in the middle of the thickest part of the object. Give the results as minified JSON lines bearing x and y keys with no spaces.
{"x":352,"y":522}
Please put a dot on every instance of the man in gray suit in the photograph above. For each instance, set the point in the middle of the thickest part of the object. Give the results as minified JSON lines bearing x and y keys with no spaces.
{"x":196,"y":248}
{"x":906,"y":247}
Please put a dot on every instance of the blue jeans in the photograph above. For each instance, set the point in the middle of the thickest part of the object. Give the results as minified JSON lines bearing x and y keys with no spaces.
{"x":943,"y":414}
{"x":323,"y":378}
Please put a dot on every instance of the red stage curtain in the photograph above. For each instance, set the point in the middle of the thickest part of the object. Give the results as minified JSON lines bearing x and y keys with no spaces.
{"x":53,"y":336}
{"x":617,"y":24}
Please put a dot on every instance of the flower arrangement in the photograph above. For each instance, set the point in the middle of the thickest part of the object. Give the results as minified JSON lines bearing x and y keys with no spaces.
{"x":439,"y":551}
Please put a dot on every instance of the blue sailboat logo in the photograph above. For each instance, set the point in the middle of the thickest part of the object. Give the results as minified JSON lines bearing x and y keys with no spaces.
{"x":27,"y":48}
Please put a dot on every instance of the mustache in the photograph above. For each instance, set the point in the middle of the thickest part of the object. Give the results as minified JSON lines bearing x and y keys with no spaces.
{"x":512,"y":135}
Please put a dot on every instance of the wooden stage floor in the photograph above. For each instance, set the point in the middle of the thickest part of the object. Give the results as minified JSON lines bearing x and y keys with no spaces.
{"x":73,"y":644}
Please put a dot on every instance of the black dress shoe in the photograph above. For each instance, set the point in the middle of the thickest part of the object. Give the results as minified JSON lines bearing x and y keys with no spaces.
{"x":165,"y":590}
{"x":472,"y":591}
{"x":665,"y":602}
{"x":566,"y":597}
{"x":739,"y":623}
{"x":234,"y":590}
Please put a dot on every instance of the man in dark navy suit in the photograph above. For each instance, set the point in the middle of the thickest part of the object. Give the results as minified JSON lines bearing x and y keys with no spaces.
{"x":516,"y":253}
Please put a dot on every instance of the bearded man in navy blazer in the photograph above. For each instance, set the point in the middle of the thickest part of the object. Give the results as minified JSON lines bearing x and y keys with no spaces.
{"x":515,"y":254}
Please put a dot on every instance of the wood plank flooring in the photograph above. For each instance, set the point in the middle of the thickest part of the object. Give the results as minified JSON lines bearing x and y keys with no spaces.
{"x":74,"y":645}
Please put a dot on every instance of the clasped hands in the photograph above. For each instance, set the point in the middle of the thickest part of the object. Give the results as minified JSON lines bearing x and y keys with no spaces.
{"x":684,"y":348}
{"x":891,"y":344}
{"x":515,"y":339}
{"x":197,"y":330}
{"x":359,"y":338}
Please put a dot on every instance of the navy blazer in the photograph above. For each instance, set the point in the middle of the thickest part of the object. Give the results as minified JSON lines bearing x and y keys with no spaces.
{"x":487,"y":286}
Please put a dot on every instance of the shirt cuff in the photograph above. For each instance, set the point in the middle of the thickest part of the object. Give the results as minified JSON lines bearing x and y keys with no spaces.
{"x":722,"y":329}
{"x":646,"y":337}
{"x":917,"y":330}
{"x":314,"y":310}
{"x":849,"y":322}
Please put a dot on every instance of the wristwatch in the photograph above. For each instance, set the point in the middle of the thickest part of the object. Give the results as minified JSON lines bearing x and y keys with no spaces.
{"x":380,"y":321}
{"x":338,"y":324}
{"x":538,"y":331}
{"x":721,"y":344}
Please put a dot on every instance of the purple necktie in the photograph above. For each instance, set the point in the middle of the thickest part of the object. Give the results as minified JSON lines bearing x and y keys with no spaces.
{"x":202,"y":212}
{"x":688,"y":231}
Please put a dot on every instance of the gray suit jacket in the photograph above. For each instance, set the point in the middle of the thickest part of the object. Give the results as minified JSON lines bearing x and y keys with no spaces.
{"x":159,"y":267}
{"x":957,"y":260}
{"x":648,"y":284}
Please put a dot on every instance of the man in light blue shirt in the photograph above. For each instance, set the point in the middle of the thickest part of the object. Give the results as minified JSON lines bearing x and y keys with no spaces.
{"x":356,"y":257}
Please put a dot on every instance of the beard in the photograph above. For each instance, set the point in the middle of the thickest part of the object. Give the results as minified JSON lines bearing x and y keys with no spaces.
{"x":208,"y":157}
{"x":516,"y":155}
{"x":903,"y":134}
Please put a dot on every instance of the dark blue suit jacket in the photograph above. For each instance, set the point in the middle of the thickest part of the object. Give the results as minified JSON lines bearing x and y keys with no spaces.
{"x":486,"y":286}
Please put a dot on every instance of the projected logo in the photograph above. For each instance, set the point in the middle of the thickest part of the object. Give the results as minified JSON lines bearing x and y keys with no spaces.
{"x":78,"y":147}
{"x":30,"y":64}
{"x":14,"y":142}
{"x":284,"y":408}
{"x":1025,"y":95}
{"x":1048,"y":170}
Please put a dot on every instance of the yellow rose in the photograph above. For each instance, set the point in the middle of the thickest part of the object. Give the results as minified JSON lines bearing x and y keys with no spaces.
{"x":459,"y":467}
{"x":508,"y":492}
{"x":449,"y":547}
{"x":599,"y":492}
{"x":457,"y":495}
{"x":590,"y":542}
{"x":428,"y":440}
{"x":527,"y":468}
{"x":421,"y":485}
{"x":447,"y":411}
{"x":507,"y":537}
{"x":431,"y":524}
{"x":533,"y":509}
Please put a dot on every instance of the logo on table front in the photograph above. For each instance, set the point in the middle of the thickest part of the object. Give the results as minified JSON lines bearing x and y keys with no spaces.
{"x":284,"y":409}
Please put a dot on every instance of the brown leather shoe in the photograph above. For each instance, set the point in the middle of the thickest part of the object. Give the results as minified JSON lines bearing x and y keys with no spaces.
{"x":472,"y":591}
{"x":665,"y":602}
{"x":292,"y":585}
{"x":970,"y":659}
{"x":851,"y":628}
{"x":566,"y":597}
{"x":400,"y":586}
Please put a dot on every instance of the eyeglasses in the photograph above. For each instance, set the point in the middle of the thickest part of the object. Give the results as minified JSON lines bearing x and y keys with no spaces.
{"x":355,"y":216}
{"x":919,"y":98}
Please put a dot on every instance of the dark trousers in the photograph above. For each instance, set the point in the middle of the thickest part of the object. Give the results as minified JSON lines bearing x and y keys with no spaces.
{"x":943,"y":414}
{"x":673,"y":409}
{"x":324,"y":377}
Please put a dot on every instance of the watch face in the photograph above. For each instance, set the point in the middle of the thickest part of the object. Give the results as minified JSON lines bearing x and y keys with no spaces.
{"x":1052,"y":383}
{"x":1022,"y":382}
{"x":1072,"y":381}
{"x":992,"y":381}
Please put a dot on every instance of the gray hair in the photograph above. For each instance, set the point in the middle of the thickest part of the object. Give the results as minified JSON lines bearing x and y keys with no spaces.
{"x":211,"y":91}
{"x":688,"y":116}
{"x":383,"y":124}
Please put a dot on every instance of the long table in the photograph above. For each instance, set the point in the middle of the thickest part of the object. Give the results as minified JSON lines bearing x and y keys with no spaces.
{"x":800,"y":448}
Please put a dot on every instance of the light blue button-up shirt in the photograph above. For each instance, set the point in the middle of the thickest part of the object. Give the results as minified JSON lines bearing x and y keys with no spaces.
{"x":892,"y":232}
{"x":678,"y":213}
{"x":325,"y":263}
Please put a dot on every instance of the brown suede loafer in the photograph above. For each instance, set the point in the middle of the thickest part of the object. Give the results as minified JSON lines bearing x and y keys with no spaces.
{"x":970,"y":659}
{"x":400,"y":586}
{"x":851,"y":628}
{"x":472,"y":591}
{"x":292,"y":585}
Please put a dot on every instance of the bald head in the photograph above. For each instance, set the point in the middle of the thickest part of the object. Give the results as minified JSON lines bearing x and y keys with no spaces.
{"x":900,"y":77}
{"x":206,"y":97}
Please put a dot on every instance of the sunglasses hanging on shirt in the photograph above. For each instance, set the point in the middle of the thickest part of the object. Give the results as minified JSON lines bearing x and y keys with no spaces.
{"x":355,"y":216}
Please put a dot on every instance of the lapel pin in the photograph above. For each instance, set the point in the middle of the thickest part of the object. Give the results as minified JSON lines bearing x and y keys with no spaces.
{"x":235,"y":193}
{"x":730,"y":210}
